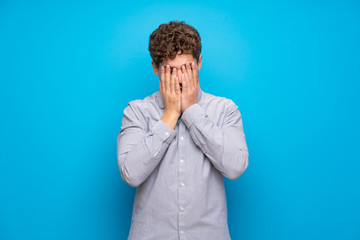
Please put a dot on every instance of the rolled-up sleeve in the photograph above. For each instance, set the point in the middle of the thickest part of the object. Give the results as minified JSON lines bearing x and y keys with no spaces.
{"x":225,"y":146}
{"x":139,"y":151}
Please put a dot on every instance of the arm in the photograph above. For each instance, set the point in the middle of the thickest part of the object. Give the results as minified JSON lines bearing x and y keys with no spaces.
{"x":226,"y":146}
{"x":139,"y":151}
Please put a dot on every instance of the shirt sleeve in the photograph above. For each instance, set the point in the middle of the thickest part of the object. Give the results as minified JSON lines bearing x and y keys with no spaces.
{"x":225,"y":146}
{"x":139,"y":151}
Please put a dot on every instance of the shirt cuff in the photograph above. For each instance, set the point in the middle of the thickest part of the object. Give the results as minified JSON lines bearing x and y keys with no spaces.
{"x":192,"y":114}
{"x":165,"y":133}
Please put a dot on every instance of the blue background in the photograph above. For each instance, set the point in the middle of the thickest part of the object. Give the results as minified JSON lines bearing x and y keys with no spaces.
{"x":69,"y":69}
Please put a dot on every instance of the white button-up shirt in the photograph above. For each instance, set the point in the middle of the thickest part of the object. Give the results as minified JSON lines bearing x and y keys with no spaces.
{"x":179,"y":172}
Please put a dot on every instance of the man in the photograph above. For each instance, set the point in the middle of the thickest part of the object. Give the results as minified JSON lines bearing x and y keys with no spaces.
{"x":176,"y":145}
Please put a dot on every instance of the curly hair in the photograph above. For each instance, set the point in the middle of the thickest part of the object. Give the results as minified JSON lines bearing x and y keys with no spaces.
{"x":168,"y":39}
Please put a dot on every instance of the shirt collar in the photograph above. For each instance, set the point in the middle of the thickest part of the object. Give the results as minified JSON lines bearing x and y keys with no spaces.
{"x":161,"y":103}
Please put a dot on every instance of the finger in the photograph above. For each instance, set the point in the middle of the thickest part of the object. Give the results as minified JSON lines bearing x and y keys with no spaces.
{"x":172,"y":80}
{"x":167,"y":79}
{"x":186,"y":74}
{"x":179,"y":76}
{"x":162,"y":76}
{"x":195,"y":72}
{"x":184,"y":84}
{"x":177,"y":85}
{"x":190,"y":75}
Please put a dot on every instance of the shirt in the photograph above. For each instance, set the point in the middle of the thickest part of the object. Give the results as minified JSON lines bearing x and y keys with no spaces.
{"x":179,"y":172}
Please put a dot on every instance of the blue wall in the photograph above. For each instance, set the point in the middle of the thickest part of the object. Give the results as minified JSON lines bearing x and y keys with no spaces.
{"x":67,"y":71}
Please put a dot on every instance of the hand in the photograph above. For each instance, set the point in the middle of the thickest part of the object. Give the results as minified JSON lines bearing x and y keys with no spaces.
{"x":170,"y":92}
{"x":190,"y":85}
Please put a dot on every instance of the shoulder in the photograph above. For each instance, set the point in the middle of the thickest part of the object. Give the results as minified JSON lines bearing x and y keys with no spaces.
{"x":140,"y":105}
{"x":223,"y":102}
{"x":142,"y":110}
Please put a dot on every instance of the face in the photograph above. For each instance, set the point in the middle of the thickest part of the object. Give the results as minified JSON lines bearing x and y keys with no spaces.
{"x":177,"y":62}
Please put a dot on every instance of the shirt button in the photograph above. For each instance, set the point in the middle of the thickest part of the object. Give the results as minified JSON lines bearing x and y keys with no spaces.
{"x":182,"y":209}
{"x":166,"y":133}
{"x":182,"y":184}
{"x":181,"y":160}
{"x":181,"y":231}
{"x":181,"y":138}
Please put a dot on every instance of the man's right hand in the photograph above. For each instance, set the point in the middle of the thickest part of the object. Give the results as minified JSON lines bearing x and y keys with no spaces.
{"x":171,"y":95}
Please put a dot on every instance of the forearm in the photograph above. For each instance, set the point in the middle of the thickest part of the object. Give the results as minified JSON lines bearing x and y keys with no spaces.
{"x":137,"y":161}
{"x":226,"y":148}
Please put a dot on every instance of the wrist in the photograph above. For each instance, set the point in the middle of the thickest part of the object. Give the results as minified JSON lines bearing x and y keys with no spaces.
{"x":170,"y":118}
{"x":187,"y":106}
{"x":173,"y":115}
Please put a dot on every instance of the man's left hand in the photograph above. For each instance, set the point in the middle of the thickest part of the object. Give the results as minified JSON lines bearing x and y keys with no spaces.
{"x":190,"y":85}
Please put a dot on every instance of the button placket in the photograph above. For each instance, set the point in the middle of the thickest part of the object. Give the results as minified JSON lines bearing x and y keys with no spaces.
{"x":181,"y":179}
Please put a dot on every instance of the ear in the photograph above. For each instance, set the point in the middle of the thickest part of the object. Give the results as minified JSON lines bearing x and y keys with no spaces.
{"x":199,"y":63}
{"x":156,"y":70}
